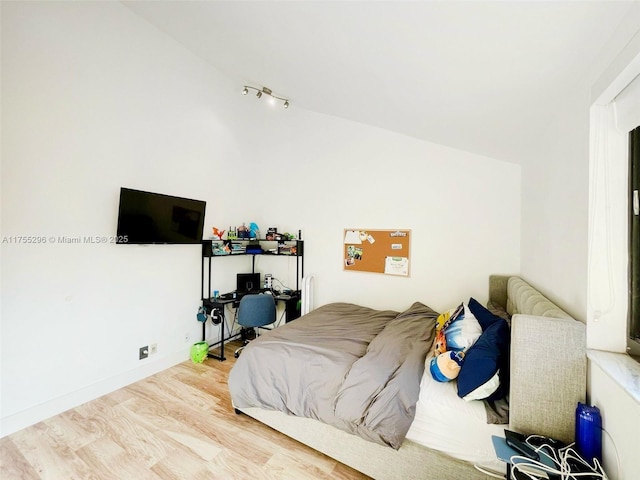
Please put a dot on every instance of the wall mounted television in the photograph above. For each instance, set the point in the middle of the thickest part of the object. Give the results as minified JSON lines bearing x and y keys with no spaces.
{"x":149,"y":218}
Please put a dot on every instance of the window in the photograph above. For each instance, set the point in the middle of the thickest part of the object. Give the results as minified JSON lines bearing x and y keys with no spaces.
{"x":633,"y":338}
{"x":613,"y":318}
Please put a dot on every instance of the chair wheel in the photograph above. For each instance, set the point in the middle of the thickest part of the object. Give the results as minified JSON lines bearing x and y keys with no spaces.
{"x":236,"y":355}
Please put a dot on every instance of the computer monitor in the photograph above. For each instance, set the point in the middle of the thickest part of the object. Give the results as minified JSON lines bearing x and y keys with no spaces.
{"x":248,"y":282}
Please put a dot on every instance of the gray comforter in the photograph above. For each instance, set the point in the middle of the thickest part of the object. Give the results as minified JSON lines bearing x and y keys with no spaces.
{"x":349,"y":366}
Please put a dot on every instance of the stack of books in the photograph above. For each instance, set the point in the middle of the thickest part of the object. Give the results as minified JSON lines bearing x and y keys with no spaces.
{"x":237,"y":248}
{"x":218,"y":248}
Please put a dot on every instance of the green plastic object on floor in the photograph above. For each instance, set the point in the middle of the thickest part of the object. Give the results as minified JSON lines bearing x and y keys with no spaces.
{"x":199,"y":352}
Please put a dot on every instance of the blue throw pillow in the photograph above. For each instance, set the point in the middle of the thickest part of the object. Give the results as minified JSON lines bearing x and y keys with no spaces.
{"x":485,"y":317}
{"x":485,"y":372}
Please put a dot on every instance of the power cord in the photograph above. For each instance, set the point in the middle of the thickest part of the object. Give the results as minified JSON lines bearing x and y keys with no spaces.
{"x":282,"y":285}
{"x":490,"y":473}
{"x":615,"y":449}
{"x":565,"y":460}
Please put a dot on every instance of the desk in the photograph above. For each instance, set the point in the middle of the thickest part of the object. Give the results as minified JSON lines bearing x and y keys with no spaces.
{"x":217,"y":307}
{"x":290,"y":249}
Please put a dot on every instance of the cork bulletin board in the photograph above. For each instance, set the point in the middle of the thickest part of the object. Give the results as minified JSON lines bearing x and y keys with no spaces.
{"x":377,"y":251}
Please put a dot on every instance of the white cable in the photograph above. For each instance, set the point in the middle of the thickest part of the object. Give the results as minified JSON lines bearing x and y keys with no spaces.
{"x":604,"y":475}
{"x":615,"y":449}
{"x":490,"y":473}
{"x":540,"y":449}
{"x":514,"y":468}
{"x":564,"y":470}
{"x":560,"y":458}
{"x":281,"y":284}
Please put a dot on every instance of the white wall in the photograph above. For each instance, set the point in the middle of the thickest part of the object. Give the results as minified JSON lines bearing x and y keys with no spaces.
{"x":555,"y":206}
{"x":94,"y":98}
{"x":462,"y":208}
{"x":621,"y":422}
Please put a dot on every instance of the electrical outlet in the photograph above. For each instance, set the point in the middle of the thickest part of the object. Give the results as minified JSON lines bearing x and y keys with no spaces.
{"x":144,"y":352}
{"x":153,"y":349}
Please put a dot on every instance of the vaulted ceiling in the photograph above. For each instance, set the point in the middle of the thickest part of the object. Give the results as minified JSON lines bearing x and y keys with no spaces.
{"x":480,"y":76}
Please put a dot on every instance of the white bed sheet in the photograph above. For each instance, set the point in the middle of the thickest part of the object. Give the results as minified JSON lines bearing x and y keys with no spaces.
{"x":446,"y":423}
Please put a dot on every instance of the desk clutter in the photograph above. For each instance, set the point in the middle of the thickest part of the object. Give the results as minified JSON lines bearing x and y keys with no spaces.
{"x":253,"y":233}
{"x":245,"y":240}
{"x":235,"y":296}
{"x":533,"y":457}
{"x":214,"y":308}
{"x":251,"y":247}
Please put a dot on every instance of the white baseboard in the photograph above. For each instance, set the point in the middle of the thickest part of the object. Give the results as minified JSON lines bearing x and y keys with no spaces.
{"x":38,"y":413}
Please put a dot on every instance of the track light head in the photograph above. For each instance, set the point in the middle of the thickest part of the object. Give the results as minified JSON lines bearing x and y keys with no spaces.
{"x":268,"y":92}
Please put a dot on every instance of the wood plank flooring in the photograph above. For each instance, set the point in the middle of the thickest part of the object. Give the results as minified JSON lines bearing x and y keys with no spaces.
{"x":177,"y":424}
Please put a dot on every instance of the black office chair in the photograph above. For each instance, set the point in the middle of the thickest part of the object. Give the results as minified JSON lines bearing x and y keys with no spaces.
{"x":255,"y":311}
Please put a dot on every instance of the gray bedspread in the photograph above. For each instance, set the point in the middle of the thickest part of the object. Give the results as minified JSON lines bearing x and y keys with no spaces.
{"x":349,"y":366}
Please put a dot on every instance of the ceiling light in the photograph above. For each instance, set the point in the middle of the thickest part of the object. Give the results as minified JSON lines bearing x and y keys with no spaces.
{"x":267,"y":91}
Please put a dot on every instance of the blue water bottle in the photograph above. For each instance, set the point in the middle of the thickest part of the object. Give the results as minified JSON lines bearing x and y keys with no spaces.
{"x":589,"y":432}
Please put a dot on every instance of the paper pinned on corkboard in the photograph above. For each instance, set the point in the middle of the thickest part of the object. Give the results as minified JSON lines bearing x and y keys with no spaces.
{"x":377,"y":251}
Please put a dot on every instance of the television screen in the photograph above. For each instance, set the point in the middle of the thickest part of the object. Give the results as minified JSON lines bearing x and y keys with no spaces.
{"x":145,"y":217}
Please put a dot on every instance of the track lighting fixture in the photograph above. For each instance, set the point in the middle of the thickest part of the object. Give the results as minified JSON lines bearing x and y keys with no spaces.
{"x":268,"y":92}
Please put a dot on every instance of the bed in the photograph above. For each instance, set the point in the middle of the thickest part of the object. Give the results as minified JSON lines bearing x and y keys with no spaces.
{"x":383,"y":423}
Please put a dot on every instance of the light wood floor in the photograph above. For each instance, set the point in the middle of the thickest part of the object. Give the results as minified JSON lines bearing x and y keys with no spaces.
{"x":177,"y":424}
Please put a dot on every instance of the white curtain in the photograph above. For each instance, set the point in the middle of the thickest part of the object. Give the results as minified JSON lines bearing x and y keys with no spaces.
{"x":607,"y":231}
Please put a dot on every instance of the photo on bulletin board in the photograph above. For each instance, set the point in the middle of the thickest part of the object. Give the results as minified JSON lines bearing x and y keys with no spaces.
{"x":377,"y":251}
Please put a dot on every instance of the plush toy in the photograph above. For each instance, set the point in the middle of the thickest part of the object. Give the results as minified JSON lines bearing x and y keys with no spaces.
{"x":446,"y":366}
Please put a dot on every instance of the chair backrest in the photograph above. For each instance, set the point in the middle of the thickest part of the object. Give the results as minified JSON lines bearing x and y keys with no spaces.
{"x":257,"y":310}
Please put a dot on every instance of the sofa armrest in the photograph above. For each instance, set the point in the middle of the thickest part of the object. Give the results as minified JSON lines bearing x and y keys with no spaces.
{"x":548,"y":375}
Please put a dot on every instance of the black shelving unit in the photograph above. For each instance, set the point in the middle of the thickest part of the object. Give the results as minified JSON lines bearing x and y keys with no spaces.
{"x":274,"y":248}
